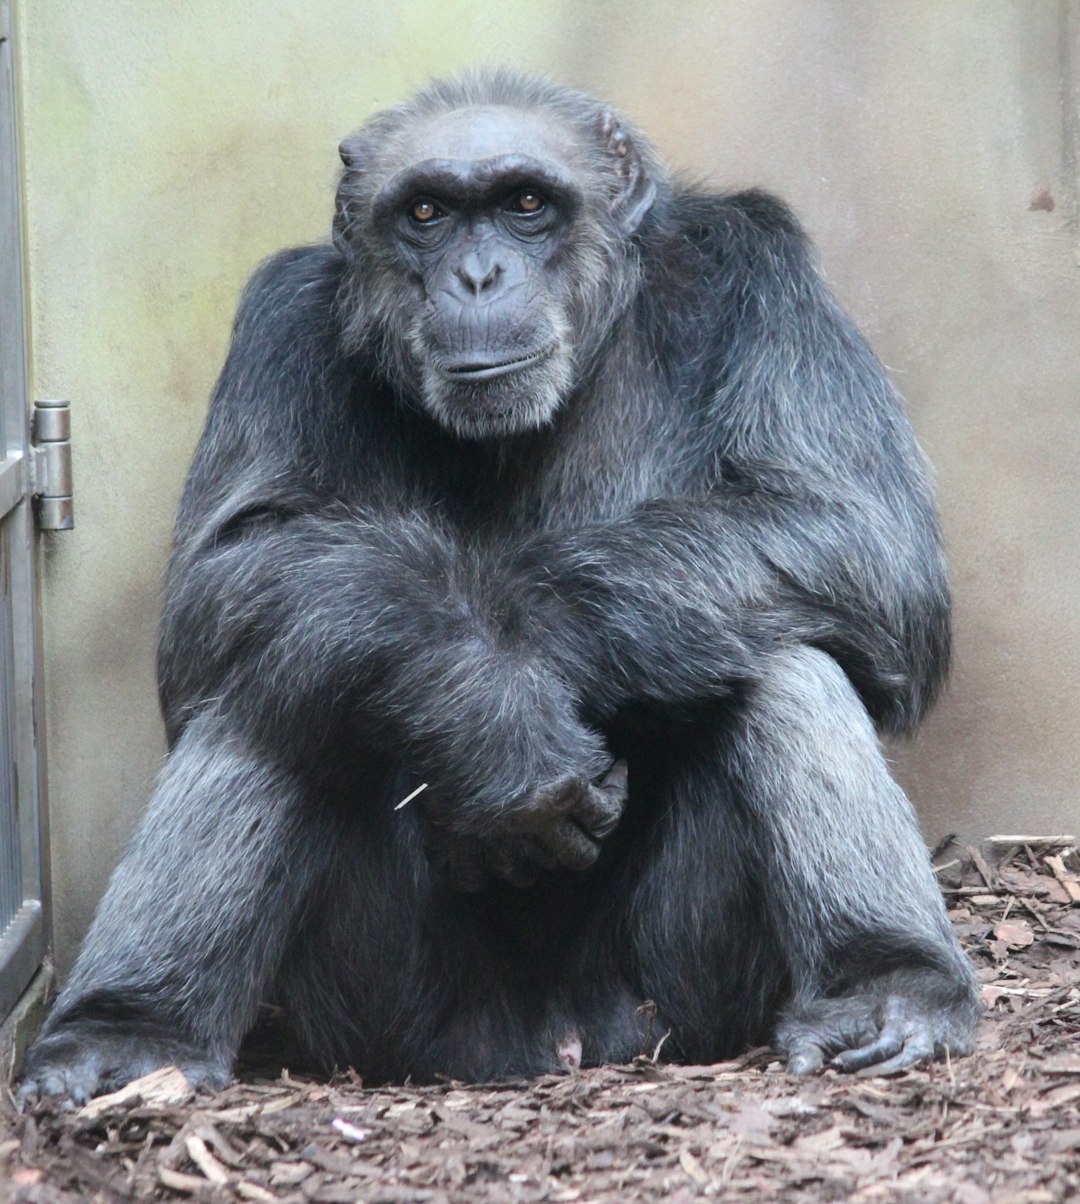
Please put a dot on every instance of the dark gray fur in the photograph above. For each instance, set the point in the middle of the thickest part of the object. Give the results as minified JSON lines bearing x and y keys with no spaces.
{"x":700,"y":542}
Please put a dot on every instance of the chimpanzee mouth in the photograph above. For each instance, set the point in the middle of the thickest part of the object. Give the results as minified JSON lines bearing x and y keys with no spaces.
{"x":473,"y":370}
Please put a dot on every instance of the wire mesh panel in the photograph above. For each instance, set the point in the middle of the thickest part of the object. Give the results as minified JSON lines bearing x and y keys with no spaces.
{"x":22,"y":929}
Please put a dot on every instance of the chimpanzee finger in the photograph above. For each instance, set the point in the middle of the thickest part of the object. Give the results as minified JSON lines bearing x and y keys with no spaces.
{"x":886,"y":1046}
{"x":599,"y":807}
{"x":805,"y":1058}
{"x":566,"y":842}
{"x":540,"y":854}
{"x":515,"y":870}
{"x":916,"y":1049}
{"x":33,"y":1090}
{"x":615,"y":780}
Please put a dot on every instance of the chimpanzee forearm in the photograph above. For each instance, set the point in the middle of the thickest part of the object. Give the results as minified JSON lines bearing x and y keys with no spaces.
{"x":811,"y":522}
{"x":312,"y":624}
{"x":681,"y":599}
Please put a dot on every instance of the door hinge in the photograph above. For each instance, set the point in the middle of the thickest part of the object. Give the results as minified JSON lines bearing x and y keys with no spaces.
{"x":50,"y":466}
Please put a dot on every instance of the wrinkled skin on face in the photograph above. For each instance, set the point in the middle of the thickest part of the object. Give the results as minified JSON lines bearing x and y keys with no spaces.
{"x":480,"y":268}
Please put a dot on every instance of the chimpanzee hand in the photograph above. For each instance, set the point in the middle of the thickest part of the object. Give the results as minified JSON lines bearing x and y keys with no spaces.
{"x":557,"y":826}
{"x":897,"y":1021}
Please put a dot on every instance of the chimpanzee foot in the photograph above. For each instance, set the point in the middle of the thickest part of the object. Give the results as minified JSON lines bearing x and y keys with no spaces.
{"x":81,"y":1060}
{"x":897,"y":1022}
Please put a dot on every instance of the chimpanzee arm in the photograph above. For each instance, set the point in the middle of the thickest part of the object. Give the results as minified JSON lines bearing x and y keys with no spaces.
{"x":816,"y":531}
{"x":313,"y":618}
{"x":816,"y":528}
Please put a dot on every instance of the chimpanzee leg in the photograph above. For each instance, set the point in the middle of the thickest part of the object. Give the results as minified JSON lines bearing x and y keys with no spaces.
{"x":396,"y":974}
{"x":788,"y":865}
{"x":877,"y":974}
{"x":690,"y":914}
{"x":766,"y":858}
{"x":191,"y":927}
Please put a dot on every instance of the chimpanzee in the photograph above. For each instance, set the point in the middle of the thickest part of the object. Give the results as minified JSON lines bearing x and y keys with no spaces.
{"x":553,"y":553}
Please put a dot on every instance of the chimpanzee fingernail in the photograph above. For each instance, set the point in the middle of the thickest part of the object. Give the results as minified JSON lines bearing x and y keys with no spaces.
{"x":616,"y":776}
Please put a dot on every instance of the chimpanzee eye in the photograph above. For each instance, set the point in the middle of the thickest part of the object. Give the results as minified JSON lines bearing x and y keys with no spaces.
{"x":424,"y":210}
{"x":527,"y":202}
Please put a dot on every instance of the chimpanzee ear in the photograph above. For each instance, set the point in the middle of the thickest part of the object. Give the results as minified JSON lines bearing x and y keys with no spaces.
{"x":349,"y":150}
{"x":636,"y":190}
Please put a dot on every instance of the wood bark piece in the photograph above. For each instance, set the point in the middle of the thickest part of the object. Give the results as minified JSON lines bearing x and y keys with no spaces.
{"x":166,"y":1086}
{"x":999,"y":1126}
{"x":1067,"y":880}
{"x":1032,"y":842}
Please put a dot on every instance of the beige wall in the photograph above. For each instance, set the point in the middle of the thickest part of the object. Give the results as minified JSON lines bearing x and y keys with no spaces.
{"x":170,"y":145}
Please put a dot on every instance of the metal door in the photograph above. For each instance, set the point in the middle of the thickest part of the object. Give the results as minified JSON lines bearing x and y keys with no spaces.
{"x":22,"y":929}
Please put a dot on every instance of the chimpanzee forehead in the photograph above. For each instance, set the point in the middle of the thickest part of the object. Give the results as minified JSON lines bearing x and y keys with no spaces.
{"x":486,"y":132}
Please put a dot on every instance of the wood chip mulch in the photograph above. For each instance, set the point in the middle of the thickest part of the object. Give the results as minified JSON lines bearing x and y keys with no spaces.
{"x":1000,"y":1126}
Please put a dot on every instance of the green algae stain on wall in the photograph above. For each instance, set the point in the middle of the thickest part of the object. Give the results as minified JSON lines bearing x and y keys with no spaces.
{"x":203,"y":138}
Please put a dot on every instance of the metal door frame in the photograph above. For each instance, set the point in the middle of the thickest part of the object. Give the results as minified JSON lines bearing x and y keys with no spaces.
{"x":23,"y":940}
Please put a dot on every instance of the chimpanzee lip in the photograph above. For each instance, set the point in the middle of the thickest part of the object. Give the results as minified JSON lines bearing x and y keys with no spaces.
{"x":474,"y":370}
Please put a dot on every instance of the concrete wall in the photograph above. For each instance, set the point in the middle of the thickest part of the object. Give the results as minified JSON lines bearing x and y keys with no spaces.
{"x":930,"y":145}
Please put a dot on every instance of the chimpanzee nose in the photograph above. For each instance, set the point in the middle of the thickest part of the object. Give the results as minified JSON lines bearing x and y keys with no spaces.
{"x":478,"y":271}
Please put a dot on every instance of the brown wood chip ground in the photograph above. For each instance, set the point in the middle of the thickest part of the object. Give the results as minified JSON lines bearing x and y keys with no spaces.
{"x":999,"y":1127}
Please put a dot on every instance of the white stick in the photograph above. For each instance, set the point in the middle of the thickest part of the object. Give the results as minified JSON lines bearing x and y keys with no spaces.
{"x":409,"y":797}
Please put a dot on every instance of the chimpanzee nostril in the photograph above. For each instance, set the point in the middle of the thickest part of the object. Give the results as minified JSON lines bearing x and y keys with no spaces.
{"x":478,"y":272}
